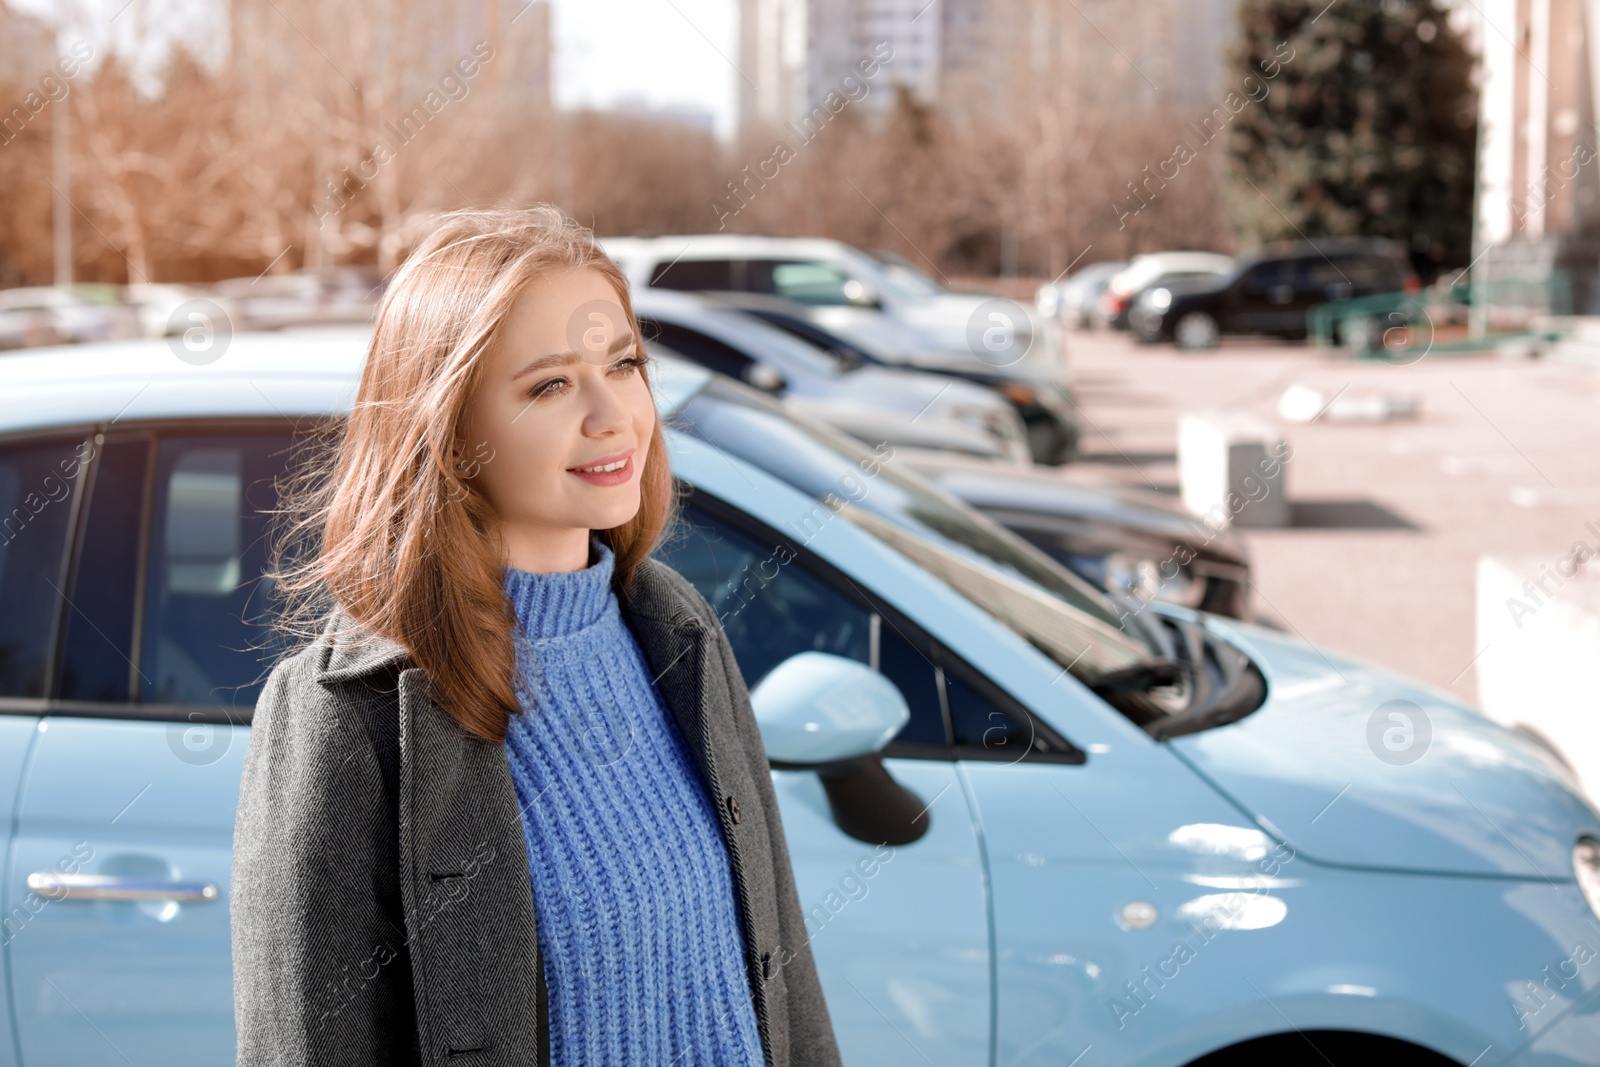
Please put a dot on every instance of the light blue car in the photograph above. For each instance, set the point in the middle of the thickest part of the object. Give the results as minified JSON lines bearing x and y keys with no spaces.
{"x":1103,"y":835}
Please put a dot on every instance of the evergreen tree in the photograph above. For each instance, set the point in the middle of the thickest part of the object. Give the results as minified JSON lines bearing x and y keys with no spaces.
{"x":1368,"y":126}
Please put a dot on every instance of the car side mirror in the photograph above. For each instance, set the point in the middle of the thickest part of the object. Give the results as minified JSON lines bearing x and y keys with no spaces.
{"x":859,"y":294}
{"x":833,"y":715}
{"x":816,"y":708}
{"x":763,"y":377}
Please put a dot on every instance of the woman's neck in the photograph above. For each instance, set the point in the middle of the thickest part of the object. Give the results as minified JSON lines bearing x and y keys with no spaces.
{"x":546,"y":549}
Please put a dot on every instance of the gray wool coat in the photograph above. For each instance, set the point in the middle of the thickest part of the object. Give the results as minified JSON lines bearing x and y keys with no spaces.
{"x":382,"y":907}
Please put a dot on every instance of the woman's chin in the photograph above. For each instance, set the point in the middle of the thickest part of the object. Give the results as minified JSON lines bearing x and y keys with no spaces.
{"x":612,"y":517}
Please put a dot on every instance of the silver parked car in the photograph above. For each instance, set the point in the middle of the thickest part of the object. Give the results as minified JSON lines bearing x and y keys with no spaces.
{"x":1075,"y":300}
{"x":872,"y":403}
{"x":52,"y":314}
{"x":848,"y":286}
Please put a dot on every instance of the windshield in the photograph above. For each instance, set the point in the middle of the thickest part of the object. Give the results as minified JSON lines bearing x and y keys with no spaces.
{"x":845,"y":352}
{"x":907,"y":277}
{"x":900,"y":280}
{"x":765,"y":341}
{"x":1070,"y":621}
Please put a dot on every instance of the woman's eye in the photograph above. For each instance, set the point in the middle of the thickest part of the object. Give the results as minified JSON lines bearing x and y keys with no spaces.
{"x":553,"y":385}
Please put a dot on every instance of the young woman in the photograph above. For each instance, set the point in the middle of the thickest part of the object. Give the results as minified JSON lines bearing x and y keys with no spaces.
{"x":511,"y":805}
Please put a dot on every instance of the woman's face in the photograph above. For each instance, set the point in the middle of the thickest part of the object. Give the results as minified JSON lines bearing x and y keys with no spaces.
{"x":561,"y":392}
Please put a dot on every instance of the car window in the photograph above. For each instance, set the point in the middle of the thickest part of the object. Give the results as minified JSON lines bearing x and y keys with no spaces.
{"x":37,"y":483}
{"x":908,"y":278}
{"x":97,"y":650}
{"x":727,"y":341}
{"x":1371,"y":274}
{"x":772,"y":607}
{"x":803,"y":282}
{"x":696,"y":347}
{"x":204,"y":635}
{"x":1264,"y":277}
{"x":769,"y":609}
{"x":1318,"y":273}
{"x":1021,"y":587}
{"x":690,"y":274}
{"x":987,"y":726}
{"x":846,"y":354}
{"x":905,"y":658}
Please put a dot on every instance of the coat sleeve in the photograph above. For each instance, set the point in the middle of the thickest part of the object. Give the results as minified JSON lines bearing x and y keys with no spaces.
{"x":811,"y":1038}
{"x":320,"y":965}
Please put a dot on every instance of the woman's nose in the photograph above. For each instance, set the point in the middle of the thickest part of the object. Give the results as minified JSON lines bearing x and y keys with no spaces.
{"x":607,"y":413}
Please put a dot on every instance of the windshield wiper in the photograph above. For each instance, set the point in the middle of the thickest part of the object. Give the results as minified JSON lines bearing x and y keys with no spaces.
{"x":1209,"y":683}
{"x":1140,"y":678}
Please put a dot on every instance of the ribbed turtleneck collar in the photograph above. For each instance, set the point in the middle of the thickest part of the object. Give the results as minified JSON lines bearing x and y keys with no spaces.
{"x":563,"y":602}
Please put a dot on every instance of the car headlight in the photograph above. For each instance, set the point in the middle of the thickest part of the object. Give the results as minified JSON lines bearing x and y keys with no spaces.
{"x":975,"y":417}
{"x":1142,"y":577}
{"x":1018,"y":393}
{"x":1132,"y":576}
{"x":1586,"y":865}
{"x":1003,"y":423}
{"x":1160,"y":299}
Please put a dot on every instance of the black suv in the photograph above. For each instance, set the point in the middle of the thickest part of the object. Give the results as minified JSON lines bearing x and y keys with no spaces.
{"x":1270,"y":291}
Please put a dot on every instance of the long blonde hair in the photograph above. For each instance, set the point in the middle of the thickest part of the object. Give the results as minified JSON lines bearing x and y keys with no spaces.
{"x":392,"y":529}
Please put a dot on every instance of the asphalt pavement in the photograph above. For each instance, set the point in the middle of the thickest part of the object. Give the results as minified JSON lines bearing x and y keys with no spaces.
{"x":1389,"y":518}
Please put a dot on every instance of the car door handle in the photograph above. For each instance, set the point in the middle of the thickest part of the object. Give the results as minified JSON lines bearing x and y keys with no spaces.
{"x":117,"y":887}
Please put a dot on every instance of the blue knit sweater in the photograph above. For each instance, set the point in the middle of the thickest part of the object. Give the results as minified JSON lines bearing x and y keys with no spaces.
{"x":638,"y":920}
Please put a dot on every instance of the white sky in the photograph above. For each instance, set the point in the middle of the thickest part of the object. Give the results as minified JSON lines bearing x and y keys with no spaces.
{"x":665,"y":53}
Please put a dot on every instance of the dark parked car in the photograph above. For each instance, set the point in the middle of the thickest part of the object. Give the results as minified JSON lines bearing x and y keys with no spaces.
{"x":1046,"y":409}
{"x":1270,"y":291}
{"x":1125,"y":541}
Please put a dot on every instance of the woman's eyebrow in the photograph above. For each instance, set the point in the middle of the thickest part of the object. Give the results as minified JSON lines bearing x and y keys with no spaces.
{"x":561,"y":359}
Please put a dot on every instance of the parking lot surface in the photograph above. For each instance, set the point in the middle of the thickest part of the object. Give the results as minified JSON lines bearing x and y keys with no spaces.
{"x":1389,"y":518}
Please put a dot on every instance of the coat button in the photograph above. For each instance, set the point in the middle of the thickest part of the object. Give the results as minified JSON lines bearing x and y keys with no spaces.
{"x":767,"y":969}
{"x":733,"y":808}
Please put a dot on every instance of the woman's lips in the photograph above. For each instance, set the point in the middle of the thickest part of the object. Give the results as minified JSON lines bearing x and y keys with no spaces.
{"x":616,"y":477}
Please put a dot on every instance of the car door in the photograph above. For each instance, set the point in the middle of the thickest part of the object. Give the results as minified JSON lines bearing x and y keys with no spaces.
{"x":125,"y":820}
{"x":1263,"y":299}
{"x":899,"y":933}
{"x":40,"y":481}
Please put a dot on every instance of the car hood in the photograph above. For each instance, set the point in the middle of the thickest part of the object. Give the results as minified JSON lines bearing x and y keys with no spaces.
{"x":1465,"y":796}
{"x":947,"y":319}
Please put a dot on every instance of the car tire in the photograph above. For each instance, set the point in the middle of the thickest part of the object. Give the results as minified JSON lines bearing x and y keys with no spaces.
{"x":1196,"y":331}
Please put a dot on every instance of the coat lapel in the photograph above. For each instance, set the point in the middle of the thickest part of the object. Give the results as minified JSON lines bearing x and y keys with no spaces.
{"x":675,"y":643}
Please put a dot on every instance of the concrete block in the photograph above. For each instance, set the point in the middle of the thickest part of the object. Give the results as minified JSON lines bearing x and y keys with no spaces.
{"x":1301,"y":403}
{"x":1540,"y":646}
{"x":1231,"y":469}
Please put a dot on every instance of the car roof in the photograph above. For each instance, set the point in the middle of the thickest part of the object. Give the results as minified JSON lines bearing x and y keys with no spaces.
{"x":730,"y":327}
{"x":291,"y":374}
{"x":1325,"y":246}
{"x":36,"y":296}
{"x":705,"y":246}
